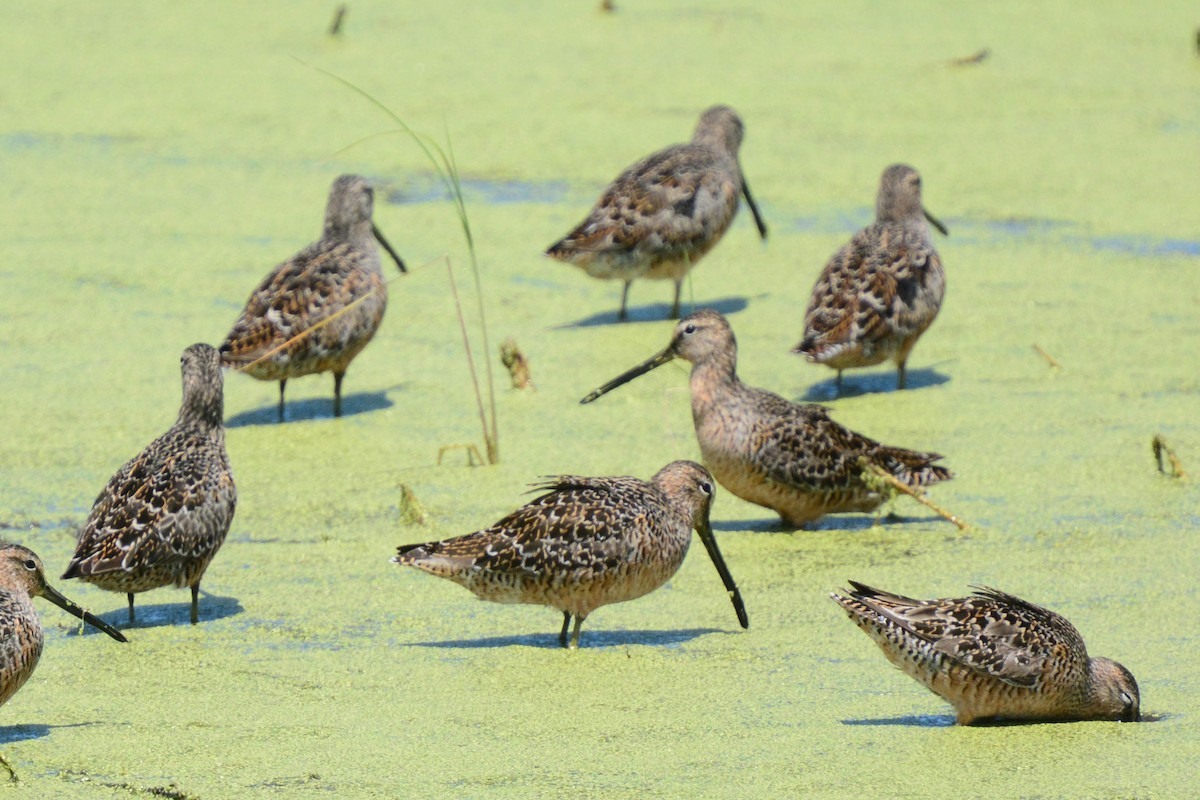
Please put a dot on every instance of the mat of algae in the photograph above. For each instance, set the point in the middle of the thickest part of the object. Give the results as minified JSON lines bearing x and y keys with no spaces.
{"x":158,"y":159}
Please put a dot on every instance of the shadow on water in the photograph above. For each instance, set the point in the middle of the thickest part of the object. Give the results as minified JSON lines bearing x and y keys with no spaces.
{"x":656,"y":312}
{"x":587,"y":640}
{"x":311,"y":408}
{"x":23,"y":733}
{"x":914,"y":720}
{"x":212,"y":607}
{"x":855,"y":385}
{"x":832,"y":522}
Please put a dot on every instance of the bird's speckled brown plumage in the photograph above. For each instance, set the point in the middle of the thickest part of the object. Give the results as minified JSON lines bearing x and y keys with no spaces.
{"x":162,"y":517}
{"x":316,"y":311}
{"x":786,"y":456}
{"x":585,"y":543}
{"x":661,"y":215}
{"x":994,"y":656}
{"x":879,"y":293}
{"x":22,"y":578}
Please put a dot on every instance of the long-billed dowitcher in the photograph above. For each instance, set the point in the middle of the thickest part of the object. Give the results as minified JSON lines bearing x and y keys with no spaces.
{"x":162,"y":517}
{"x":586,"y":543}
{"x":994,"y":656}
{"x":879,"y":293}
{"x":789,"y":457}
{"x":316,"y":311}
{"x":21,"y":579}
{"x":661,"y":215}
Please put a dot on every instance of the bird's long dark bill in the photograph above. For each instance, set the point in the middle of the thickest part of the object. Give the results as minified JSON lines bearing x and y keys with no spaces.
{"x":51,"y":594}
{"x":626,"y":377}
{"x":935,"y":222}
{"x":758,"y":220}
{"x":379,"y":238}
{"x":710,"y":544}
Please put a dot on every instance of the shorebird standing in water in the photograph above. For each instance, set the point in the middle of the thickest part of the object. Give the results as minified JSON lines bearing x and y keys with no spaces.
{"x":882,"y":290}
{"x":661,"y":215}
{"x":789,"y":457}
{"x":585,"y":543}
{"x":994,"y":656}
{"x":22,"y":578}
{"x":163,"y":516}
{"x":316,"y":311}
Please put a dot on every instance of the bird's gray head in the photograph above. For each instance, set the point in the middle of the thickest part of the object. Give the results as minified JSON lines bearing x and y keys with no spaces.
{"x":720,"y":127}
{"x":351,"y":204}
{"x":203,"y":384}
{"x":703,"y":336}
{"x":690,"y":486}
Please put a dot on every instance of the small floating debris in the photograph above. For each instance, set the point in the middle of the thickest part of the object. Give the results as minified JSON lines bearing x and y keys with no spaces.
{"x":971,"y":60}
{"x":412,"y":512}
{"x":1160,"y":447}
{"x":517,"y":364}
{"x":1049,"y":359}
{"x":339,"y":16}
{"x":474,"y":459}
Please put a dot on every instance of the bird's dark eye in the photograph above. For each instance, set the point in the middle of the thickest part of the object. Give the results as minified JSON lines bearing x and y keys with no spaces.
{"x":689,"y":328}
{"x":30,"y":564}
{"x":706,"y":487}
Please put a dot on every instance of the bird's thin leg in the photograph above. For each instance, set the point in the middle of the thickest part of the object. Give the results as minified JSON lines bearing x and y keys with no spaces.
{"x":337,"y":393}
{"x":195,"y":602}
{"x":623,"y":315}
{"x":675,"y":306}
{"x":839,"y":383}
{"x":130,"y":596}
{"x":562,"y":637}
{"x":901,"y":374}
{"x":282,"y":384}
{"x":575,"y":633}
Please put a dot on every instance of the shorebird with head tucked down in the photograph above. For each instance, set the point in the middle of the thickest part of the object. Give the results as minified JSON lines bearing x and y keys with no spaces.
{"x":880,"y":292}
{"x":316,"y":311}
{"x":661,"y":215}
{"x":22,"y":578}
{"x":162,"y":517}
{"x":585,"y":543}
{"x":994,"y":656}
{"x":789,"y":457}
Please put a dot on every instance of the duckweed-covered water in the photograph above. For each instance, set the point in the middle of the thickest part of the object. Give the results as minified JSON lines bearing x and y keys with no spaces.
{"x":159,"y":159}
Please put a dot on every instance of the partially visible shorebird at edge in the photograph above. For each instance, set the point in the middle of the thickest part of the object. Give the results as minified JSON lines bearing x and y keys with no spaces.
{"x":994,"y":656}
{"x":22,"y":578}
{"x":882,"y":290}
{"x":583,"y":544}
{"x":316,"y":311}
{"x":162,"y":517}
{"x":661,"y":215}
{"x":788,"y":457}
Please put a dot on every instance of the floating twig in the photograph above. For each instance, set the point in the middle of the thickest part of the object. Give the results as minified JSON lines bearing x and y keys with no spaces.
{"x":1160,"y":447}
{"x":517,"y":364}
{"x":895,"y":483}
{"x":339,"y":16}
{"x":971,"y":60}
{"x":1051,"y":360}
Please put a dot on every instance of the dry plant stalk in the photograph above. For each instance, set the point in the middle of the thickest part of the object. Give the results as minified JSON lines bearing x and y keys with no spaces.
{"x":1049,"y":359}
{"x":472,"y":453}
{"x":517,"y":364}
{"x":882,"y":475}
{"x":971,"y":60}
{"x":1160,"y":447}
{"x":339,"y":16}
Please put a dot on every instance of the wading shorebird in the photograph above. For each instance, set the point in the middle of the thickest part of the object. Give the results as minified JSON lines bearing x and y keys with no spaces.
{"x":994,"y":656}
{"x":316,"y":311}
{"x":789,"y":457}
{"x":879,"y":293}
{"x":586,"y":543}
{"x":162,"y":517}
{"x":661,"y":215}
{"x":21,"y":579}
